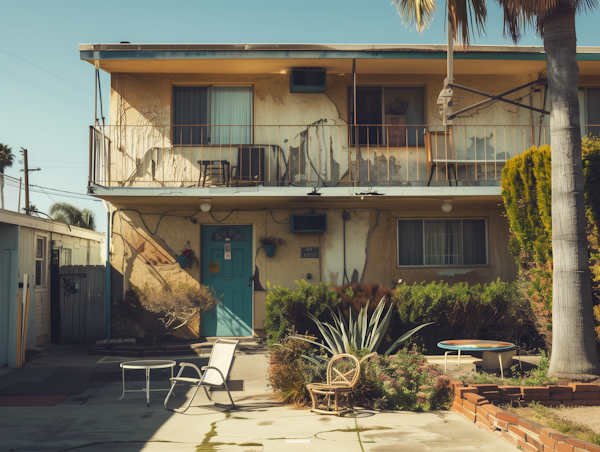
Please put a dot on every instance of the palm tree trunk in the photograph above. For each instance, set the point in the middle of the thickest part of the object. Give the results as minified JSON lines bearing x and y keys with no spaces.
{"x":573,"y":339}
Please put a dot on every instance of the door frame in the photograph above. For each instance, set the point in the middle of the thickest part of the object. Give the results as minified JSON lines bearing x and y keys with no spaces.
{"x":253,"y":259}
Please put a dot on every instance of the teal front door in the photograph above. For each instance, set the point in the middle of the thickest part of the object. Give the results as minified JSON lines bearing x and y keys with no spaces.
{"x":227,"y":267}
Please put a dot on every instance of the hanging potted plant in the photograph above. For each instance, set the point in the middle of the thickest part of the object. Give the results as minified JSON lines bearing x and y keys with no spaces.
{"x":183,"y":259}
{"x":269,"y":243}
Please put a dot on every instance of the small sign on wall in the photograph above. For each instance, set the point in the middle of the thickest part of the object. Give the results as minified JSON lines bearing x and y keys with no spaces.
{"x":227,"y":251}
{"x":310,"y":253}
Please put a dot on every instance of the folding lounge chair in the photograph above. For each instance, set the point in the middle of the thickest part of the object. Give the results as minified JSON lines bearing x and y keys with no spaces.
{"x":215,"y":374}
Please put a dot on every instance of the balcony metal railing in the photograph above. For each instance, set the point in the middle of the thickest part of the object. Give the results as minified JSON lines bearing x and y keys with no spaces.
{"x":315,"y":155}
{"x":10,"y":193}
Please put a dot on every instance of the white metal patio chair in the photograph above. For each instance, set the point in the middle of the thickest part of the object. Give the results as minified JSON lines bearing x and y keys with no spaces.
{"x":215,"y":374}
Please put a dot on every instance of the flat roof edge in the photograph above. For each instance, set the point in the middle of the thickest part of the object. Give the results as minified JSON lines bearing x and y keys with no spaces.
{"x":321,"y":47}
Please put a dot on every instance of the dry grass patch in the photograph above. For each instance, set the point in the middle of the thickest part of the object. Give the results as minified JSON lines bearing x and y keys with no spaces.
{"x":580,"y":422}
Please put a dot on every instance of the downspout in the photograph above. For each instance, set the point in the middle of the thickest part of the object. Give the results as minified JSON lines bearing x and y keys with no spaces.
{"x":356,"y":140}
{"x":108,"y":275}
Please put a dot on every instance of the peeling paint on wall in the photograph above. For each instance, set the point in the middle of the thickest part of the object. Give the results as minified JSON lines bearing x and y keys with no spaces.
{"x":457,"y":272}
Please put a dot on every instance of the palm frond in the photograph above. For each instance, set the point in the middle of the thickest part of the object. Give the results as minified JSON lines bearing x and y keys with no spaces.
{"x":83,"y":218}
{"x":520,"y":13}
{"x":467,"y":17}
{"x":404,"y":337}
{"x":416,"y":13}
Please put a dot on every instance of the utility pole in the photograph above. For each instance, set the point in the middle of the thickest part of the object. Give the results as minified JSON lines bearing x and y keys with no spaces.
{"x":26,"y":171}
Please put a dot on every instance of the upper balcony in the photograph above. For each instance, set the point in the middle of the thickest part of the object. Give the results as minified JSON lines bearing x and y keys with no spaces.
{"x":317,"y":155}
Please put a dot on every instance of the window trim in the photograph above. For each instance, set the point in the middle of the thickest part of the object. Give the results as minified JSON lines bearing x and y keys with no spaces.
{"x":43,"y":260}
{"x":462,"y":265}
{"x":210,"y":86}
{"x":382,"y":88}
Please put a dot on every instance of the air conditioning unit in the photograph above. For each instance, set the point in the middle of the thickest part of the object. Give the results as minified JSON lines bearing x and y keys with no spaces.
{"x":308,"y":80}
{"x":310,"y":222}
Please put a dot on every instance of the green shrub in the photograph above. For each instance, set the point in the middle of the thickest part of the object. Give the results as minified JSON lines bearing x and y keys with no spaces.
{"x":406,"y":381}
{"x":286,"y":309}
{"x":289,"y":373}
{"x":492,"y":311}
{"x":526,"y":192}
{"x":538,"y":376}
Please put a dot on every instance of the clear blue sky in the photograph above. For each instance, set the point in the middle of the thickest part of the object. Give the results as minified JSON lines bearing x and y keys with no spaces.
{"x":47,"y":107}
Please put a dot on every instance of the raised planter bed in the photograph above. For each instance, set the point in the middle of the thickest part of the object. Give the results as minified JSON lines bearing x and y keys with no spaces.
{"x":476,"y":403}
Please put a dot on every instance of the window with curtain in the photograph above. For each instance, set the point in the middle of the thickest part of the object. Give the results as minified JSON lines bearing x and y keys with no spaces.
{"x":391,"y":115}
{"x":438,"y":242}
{"x":204,"y":115}
{"x":589,"y":111}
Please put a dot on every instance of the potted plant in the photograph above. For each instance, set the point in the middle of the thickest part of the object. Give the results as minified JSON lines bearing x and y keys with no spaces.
{"x":184,"y":258}
{"x":269,"y":243}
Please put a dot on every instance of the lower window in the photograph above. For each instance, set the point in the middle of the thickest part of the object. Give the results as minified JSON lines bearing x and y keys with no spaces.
{"x":439,"y":242}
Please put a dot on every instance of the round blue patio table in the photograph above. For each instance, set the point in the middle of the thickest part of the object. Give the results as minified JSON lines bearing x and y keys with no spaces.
{"x":476,"y":345}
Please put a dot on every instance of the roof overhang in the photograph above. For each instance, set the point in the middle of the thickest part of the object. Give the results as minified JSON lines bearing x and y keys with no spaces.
{"x":43,"y":224}
{"x":285,"y":198}
{"x":335,"y":58}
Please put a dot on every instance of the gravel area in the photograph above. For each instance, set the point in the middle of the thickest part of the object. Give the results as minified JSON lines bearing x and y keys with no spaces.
{"x":588,"y":416}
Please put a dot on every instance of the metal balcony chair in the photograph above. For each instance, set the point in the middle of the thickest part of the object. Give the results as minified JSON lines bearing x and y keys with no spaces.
{"x":250,"y":166}
{"x":215,"y":374}
{"x":442,"y":156}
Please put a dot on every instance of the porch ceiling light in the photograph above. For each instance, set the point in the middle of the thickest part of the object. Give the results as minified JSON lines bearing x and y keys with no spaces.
{"x":447,"y":206}
{"x":205,"y":206}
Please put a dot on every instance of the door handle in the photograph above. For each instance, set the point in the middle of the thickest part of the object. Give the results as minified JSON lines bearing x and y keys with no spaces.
{"x":249,"y":284}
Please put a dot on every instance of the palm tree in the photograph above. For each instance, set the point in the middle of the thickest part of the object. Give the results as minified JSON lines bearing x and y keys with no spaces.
{"x":574,"y":350}
{"x":68,"y":213}
{"x":6,"y":161}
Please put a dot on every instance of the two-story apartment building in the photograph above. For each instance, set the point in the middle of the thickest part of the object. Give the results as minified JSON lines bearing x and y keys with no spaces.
{"x":340,"y":150}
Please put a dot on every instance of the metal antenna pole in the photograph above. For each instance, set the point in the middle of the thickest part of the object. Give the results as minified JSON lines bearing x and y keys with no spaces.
{"x":26,"y":171}
{"x":445,"y":96}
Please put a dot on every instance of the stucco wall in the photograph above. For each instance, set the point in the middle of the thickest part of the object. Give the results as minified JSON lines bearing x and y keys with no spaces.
{"x":370,"y":247}
{"x":142,"y":151}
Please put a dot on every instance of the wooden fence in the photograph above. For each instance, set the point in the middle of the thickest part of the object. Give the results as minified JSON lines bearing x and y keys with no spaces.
{"x":82,"y":304}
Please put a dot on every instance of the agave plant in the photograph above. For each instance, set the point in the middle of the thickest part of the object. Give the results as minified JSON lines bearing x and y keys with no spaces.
{"x":360,"y":332}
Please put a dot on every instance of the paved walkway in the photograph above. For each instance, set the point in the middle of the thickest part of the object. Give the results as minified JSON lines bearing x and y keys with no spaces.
{"x":96,"y":420}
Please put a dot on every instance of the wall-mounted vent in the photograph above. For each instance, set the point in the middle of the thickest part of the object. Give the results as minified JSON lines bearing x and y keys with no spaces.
{"x":308,"y":80}
{"x":312,"y":222}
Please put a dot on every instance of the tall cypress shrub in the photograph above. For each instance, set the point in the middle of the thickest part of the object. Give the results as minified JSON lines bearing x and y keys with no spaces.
{"x":526,"y":191}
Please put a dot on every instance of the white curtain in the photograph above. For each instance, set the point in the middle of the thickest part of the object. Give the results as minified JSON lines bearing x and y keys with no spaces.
{"x":231,"y":115}
{"x":442,"y":242}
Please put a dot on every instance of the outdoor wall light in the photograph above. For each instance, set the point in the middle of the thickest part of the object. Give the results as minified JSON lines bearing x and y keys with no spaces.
{"x":205,"y":206}
{"x":447,"y":206}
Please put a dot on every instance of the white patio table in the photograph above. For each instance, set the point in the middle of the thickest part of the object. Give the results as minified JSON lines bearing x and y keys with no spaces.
{"x":146,"y":364}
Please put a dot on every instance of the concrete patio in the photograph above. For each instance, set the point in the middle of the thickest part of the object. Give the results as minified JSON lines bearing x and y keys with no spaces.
{"x":96,"y":420}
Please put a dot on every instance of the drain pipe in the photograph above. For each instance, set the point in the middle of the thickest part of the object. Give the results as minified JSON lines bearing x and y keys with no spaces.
{"x":108,"y":275}
{"x":345,"y":217}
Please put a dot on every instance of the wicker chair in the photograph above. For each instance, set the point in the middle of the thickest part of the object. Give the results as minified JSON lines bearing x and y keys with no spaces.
{"x":343,"y":373}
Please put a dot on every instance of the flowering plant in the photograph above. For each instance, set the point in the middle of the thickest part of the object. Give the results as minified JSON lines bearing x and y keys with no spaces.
{"x":406,"y":381}
{"x":187,"y":253}
{"x":271,"y":241}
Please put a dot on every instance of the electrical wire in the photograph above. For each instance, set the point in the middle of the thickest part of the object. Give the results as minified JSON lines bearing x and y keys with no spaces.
{"x":70,"y":197}
{"x":44,"y":92}
{"x":41,"y":86}
{"x":56,"y":189}
{"x":54,"y":201}
{"x":44,"y":70}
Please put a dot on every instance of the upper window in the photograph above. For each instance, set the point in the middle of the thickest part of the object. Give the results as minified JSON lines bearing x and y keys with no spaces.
{"x":589,"y":111}
{"x":40,"y":261}
{"x":389,"y":115}
{"x":205,"y":115}
{"x":442,"y":242}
